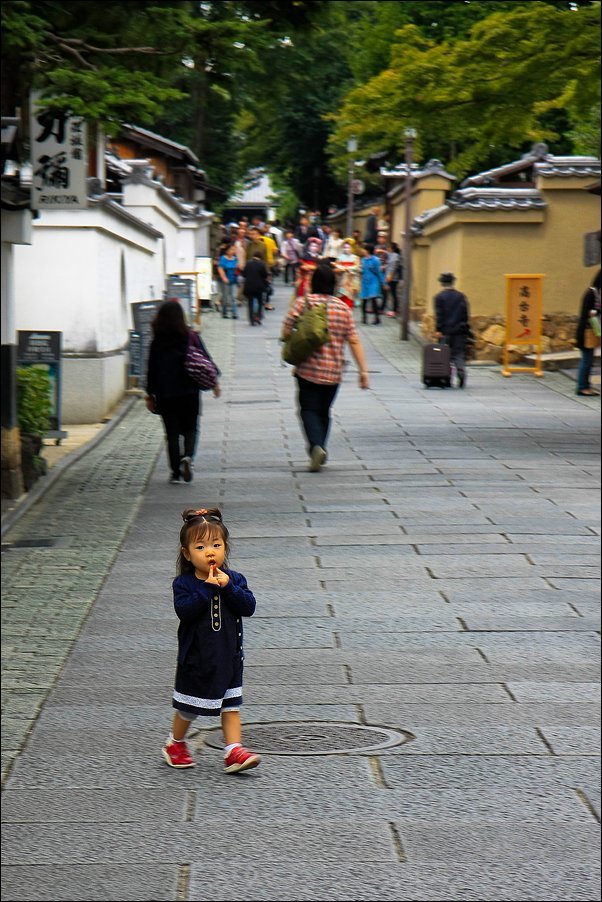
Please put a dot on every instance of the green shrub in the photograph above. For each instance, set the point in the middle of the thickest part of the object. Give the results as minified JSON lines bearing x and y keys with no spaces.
{"x":34,"y":405}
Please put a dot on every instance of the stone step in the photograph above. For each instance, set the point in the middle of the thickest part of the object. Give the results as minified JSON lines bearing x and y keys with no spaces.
{"x":559,"y":360}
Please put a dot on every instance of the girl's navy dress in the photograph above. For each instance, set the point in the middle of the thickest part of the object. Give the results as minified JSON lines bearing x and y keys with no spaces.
{"x":210,"y":643}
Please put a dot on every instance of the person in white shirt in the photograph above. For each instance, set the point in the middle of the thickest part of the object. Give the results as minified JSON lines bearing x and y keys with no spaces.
{"x":334,"y":245}
{"x":275,"y":232}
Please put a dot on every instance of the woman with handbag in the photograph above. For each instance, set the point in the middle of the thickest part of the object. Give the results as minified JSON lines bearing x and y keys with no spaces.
{"x":588,"y":336}
{"x":171,"y":392}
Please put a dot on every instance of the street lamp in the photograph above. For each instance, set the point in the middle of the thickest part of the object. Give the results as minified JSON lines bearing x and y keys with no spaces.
{"x":351,"y":149}
{"x":410,"y":136}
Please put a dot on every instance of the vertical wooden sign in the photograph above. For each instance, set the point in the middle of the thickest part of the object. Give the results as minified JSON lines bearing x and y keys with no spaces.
{"x":523,"y":319}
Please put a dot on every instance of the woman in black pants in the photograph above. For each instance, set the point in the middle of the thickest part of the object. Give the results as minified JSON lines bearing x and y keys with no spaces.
{"x":170,"y":390}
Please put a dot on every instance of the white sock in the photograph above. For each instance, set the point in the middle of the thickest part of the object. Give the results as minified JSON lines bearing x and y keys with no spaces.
{"x":170,"y":738}
{"x":229,"y":748}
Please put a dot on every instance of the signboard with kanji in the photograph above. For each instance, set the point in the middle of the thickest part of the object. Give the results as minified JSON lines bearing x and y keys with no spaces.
{"x":523,"y":318}
{"x":58,"y":157}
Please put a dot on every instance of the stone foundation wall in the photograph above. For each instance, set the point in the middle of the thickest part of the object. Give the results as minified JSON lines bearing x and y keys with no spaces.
{"x":558,"y":334}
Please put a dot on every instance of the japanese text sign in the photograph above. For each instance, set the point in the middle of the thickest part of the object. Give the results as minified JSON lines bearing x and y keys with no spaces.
{"x":58,"y":157}
{"x":523,"y":309}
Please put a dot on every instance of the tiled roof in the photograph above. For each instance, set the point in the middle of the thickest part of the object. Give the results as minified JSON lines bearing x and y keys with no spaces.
{"x":143,"y":134}
{"x":569,"y":166}
{"x":482,"y":199}
{"x":543,"y":163}
{"x":419,"y":222}
{"x":496,"y":199}
{"x":433,"y":167}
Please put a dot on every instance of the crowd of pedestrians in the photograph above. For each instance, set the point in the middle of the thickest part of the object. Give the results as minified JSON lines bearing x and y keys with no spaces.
{"x":368,"y":268}
{"x":323,"y":267}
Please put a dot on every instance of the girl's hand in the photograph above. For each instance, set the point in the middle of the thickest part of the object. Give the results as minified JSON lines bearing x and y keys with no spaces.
{"x":217,"y":577}
{"x":217,"y":390}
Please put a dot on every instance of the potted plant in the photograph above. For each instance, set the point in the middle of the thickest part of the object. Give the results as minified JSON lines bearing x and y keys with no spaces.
{"x":33,"y":415}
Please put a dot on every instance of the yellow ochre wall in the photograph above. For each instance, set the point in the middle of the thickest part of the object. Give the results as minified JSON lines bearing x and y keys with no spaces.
{"x":480,"y":247}
{"x":427,"y":193}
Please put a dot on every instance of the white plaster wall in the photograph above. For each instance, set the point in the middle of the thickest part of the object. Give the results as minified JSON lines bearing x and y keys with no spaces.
{"x":80,"y":276}
{"x":9,"y":335}
{"x":92,"y":387}
{"x":148,"y":203}
{"x":55,"y":280}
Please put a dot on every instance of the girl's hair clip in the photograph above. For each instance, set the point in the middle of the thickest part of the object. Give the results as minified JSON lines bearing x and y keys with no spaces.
{"x":213,"y":514}
{"x":192,"y":514}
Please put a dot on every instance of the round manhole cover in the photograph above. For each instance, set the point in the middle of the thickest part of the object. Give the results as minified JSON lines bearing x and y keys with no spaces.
{"x":313,"y":738}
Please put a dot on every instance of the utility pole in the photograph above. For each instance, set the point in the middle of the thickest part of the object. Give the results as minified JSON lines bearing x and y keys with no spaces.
{"x":351,"y":150}
{"x":410,"y":136}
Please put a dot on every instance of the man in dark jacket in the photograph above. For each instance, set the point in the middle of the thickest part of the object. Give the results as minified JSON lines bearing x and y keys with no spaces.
{"x":451,"y":313}
{"x":255,"y":275}
{"x":371,"y":232}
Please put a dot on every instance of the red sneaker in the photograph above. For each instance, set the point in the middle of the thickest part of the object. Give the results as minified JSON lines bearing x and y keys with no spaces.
{"x":240,"y":759}
{"x":177,"y":754}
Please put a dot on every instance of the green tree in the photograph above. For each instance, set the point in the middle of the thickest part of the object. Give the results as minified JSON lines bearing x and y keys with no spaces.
{"x":372,"y":24}
{"x":87,"y":58}
{"x":284,"y":124}
{"x":237,"y":91}
{"x":518,"y":77}
{"x":187,"y":74}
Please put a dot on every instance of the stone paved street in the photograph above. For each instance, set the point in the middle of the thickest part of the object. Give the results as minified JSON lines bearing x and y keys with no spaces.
{"x":422,"y":672}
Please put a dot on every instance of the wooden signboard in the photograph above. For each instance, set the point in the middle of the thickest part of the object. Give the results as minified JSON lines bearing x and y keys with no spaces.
{"x":523,"y":319}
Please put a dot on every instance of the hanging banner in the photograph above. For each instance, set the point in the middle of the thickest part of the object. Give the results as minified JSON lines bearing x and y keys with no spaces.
{"x":523,"y":319}
{"x":58,"y":157}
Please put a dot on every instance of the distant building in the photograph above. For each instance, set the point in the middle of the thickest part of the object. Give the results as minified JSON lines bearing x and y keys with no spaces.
{"x":257,"y":198}
{"x":527,"y":216}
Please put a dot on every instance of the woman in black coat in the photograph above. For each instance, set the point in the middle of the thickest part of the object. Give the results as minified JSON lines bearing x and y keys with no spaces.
{"x":170,"y":390}
{"x":590,"y":307}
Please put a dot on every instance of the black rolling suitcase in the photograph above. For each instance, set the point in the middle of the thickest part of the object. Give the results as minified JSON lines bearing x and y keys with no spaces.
{"x":436,"y":367}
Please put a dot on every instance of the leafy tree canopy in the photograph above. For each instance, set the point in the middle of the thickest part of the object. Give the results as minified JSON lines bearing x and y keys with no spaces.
{"x":284,"y":85}
{"x":517,"y":75}
{"x":119,"y":61}
{"x":177,"y":67}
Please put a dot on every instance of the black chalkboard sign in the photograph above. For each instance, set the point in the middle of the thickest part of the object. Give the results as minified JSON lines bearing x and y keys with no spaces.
{"x":143,"y":313}
{"x":135,"y":368}
{"x":182,"y":290}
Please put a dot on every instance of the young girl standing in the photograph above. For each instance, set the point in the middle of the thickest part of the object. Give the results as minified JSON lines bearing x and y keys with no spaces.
{"x":210,"y":602}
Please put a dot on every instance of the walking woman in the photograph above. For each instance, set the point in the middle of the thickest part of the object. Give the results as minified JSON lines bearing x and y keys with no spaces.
{"x":170,"y":391}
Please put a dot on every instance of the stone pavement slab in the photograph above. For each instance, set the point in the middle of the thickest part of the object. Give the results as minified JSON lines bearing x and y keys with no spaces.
{"x":430,"y":581}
